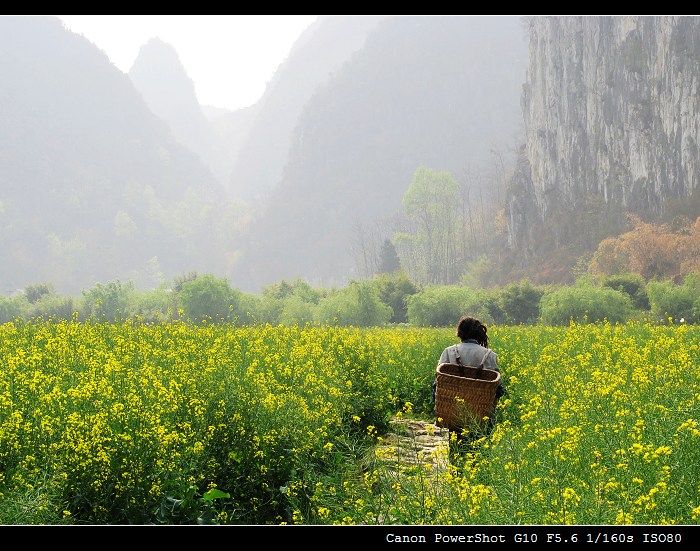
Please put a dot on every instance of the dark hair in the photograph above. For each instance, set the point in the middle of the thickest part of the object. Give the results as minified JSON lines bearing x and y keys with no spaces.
{"x":471,"y":328}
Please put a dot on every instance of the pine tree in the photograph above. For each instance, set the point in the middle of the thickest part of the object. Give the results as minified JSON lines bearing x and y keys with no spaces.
{"x":389,"y":262}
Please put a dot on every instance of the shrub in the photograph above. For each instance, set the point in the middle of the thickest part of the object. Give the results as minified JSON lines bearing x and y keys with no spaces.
{"x":584,"y":303}
{"x":443,"y":305}
{"x":37,"y":291}
{"x":357,"y":305}
{"x":668,"y":300}
{"x":288,"y":303}
{"x":296,"y":311}
{"x":209,"y":297}
{"x":394,"y":290}
{"x":153,"y":306}
{"x":632,"y":284}
{"x":520,"y":303}
{"x":107,"y":302}
{"x":12,"y":308}
{"x":50,"y":306}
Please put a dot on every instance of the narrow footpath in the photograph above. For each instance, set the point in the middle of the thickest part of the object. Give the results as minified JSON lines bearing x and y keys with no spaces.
{"x":414,"y":442}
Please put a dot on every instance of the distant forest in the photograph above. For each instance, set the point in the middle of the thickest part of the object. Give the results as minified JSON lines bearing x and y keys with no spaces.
{"x":650,"y":272}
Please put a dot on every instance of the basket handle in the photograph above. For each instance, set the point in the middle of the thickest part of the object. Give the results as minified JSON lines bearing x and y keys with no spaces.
{"x":459,"y":363}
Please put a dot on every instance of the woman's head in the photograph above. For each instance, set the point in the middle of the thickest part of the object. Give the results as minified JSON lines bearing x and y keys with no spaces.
{"x":471,"y":328}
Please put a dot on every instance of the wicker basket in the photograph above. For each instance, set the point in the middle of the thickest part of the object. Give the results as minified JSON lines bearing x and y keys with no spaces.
{"x":464,"y":395}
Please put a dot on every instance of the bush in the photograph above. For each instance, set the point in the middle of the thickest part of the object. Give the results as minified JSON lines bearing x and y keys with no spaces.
{"x":520,"y":303}
{"x":394,"y":291}
{"x":207,"y":297}
{"x":35,"y":292}
{"x":443,"y":305}
{"x":288,"y":303}
{"x":250,"y":308}
{"x":53,"y":307}
{"x":584,"y":304}
{"x":296,"y":311}
{"x":357,"y":305}
{"x":108,"y":302}
{"x":12,"y":308}
{"x":632,"y":284}
{"x":668,"y":300}
{"x":153,"y":306}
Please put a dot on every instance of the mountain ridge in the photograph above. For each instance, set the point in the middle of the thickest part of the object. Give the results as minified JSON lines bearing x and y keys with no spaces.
{"x":88,"y":170}
{"x":108,"y":175}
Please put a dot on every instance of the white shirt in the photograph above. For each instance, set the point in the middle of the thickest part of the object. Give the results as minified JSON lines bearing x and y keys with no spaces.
{"x":470,"y":353}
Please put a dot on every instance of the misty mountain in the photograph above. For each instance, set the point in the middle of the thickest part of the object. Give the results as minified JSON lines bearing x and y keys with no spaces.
{"x":315,"y":57}
{"x":443,"y":92}
{"x":112,"y":176}
{"x":94,"y":186}
{"x":215,"y":135}
{"x":170,"y":94}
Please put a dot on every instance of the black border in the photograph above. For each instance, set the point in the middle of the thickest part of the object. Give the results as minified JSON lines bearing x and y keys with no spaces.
{"x":385,"y":535}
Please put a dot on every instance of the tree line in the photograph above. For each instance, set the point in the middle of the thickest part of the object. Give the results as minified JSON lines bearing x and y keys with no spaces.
{"x":438,"y":264}
{"x":385,"y":300}
{"x":453,"y":231}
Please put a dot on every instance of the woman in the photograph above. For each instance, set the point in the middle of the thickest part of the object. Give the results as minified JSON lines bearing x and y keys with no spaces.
{"x":474,"y":346}
{"x":473,"y":350}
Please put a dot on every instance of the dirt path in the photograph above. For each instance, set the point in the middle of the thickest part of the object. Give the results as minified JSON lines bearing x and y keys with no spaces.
{"x":413,"y":443}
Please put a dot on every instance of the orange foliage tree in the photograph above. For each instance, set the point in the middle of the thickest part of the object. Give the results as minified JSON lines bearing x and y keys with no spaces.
{"x":690,"y":249}
{"x":652,"y":250}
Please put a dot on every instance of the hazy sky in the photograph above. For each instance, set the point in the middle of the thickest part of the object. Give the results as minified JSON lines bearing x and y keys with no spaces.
{"x":230,"y":58}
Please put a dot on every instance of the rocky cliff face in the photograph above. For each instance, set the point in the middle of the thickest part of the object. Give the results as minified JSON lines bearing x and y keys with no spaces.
{"x":611,"y":109}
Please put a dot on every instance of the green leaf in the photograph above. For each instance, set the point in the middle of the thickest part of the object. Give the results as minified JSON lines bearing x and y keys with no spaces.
{"x":215,"y":493}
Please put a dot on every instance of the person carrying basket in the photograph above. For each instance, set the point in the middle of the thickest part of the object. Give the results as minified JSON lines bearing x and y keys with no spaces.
{"x":461,"y":368}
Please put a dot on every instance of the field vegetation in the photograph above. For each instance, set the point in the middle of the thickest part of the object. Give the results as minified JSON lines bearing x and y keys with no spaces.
{"x":185,"y":422}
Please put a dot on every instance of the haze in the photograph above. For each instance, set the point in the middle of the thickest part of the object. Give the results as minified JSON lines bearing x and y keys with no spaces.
{"x":230,"y":58}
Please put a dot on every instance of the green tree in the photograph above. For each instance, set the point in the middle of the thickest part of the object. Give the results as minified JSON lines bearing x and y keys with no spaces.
{"x":180,"y":280}
{"x":297,"y":287}
{"x":357,"y":305}
{"x":108,"y":302}
{"x":208,"y":297}
{"x":520,"y":302}
{"x":389,"y":262}
{"x":584,"y":303}
{"x":35,"y":292}
{"x":394,"y":290}
{"x":296,"y":311}
{"x":288,"y":302}
{"x":154,"y":306}
{"x":443,"y":305}
{"x":669,"y":300}
{"x":54,"y":307}
{"x":428,"y":251}
{"x":12,"y":308}
{"x":632,"y":284}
